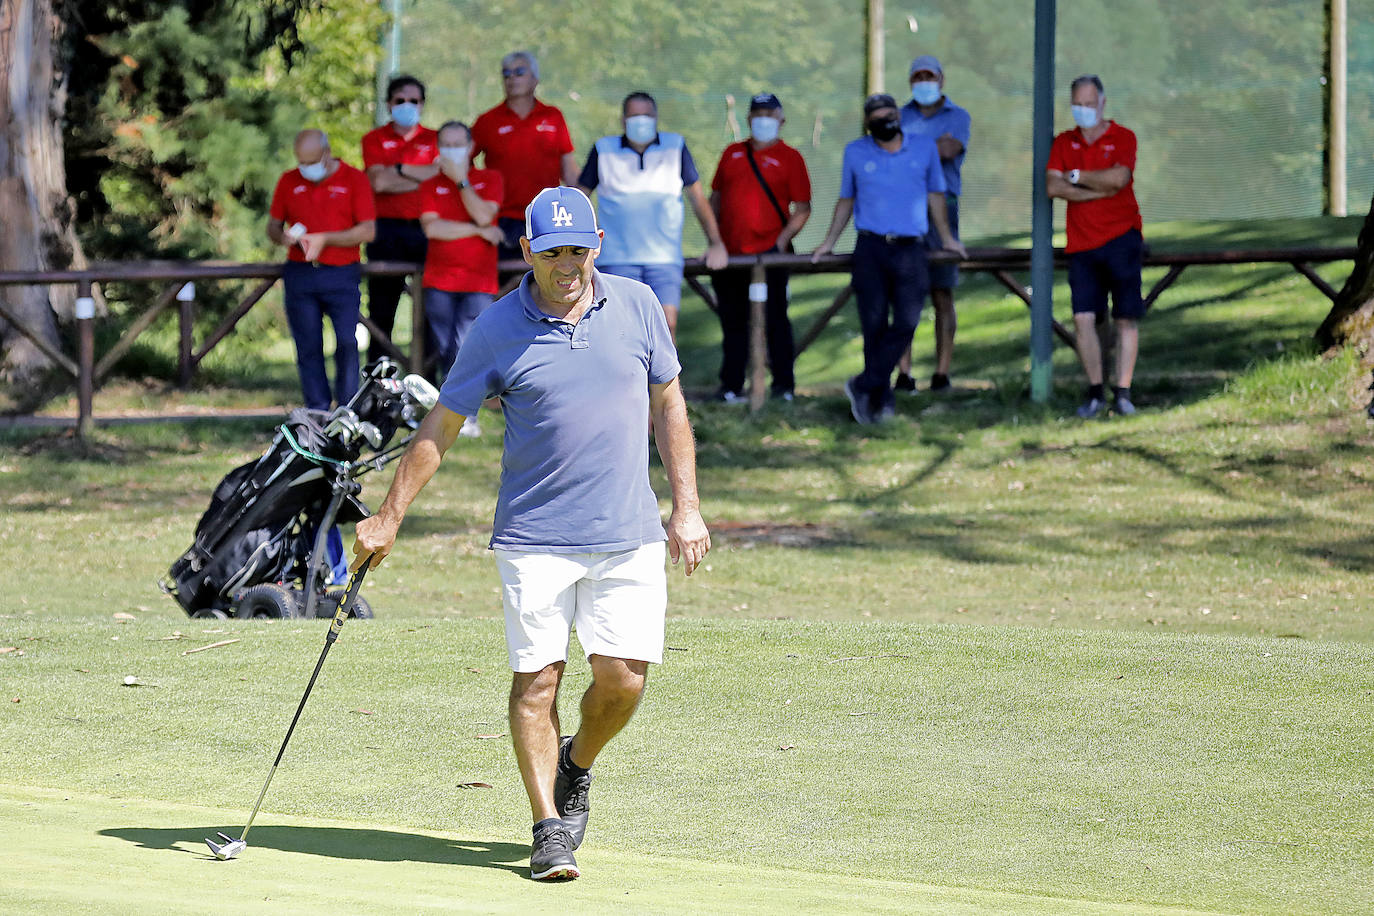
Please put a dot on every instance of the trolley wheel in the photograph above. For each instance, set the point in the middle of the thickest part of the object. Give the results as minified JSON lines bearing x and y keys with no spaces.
{"x":328,"y":605}
{"x":267,"y":600}
{"x":210,"y":613}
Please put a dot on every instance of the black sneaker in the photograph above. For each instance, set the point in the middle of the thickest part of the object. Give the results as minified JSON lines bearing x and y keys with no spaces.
{"x":1091,"y":408}
{"x":859,"y":404}
{"x":904,"y":382}
{"x":551,"y":858}
{"x":939,"y":384}
{"x":571,"y":798}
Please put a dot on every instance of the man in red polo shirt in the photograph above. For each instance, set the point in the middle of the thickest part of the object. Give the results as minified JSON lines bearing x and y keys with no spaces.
{"x":761,"y":195}
{"x":1092,"y":168}
{"x":399,"y":157}
{"x":458,"y":214}
{"x":321,"y":212}
{"x":527,"y":142}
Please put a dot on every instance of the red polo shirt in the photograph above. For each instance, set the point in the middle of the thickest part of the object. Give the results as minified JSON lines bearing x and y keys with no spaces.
{"x":526,"y":151}
{"x":1094,"y":223}
{"x":383,"y":146}
{"x":336,"y":204}
{"x":749,"y":223}
{"x":465,"y":265}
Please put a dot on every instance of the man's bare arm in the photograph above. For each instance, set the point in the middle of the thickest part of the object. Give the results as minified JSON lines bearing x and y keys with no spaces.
{"x":688,"y":539}
{"x":1109,"y":180}
{"x":1056,"y":185}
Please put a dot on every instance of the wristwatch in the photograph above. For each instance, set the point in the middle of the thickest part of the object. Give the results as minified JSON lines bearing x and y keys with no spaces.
{"x":1074,"y":175}
{"x":462,"y":184}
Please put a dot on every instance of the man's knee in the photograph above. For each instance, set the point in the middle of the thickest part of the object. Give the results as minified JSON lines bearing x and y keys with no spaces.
{"x":620,"y":679}
{"x":532,"y":692}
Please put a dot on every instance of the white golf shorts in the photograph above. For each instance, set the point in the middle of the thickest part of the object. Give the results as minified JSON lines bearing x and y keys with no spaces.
{"x":617,"y":602}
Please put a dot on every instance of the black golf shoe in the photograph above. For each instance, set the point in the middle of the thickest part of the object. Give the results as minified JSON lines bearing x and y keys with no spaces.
{"x":571,"y":797}
{"x":551,"y":858}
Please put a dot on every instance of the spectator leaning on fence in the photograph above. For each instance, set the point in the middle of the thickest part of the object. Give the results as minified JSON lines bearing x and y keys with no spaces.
{"x":458,"y":214}
{"x":321,"y":212}
{"x":931,"y":114}
{"x":894,"y":187}
{"x":1092,"y":167}
{"x":526,"y":141}
{"x":639,"y":177}
{"x":761,"y":194}
{"x":399,"y":157}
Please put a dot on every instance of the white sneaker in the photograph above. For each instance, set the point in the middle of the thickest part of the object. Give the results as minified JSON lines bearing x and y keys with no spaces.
{"x":470,"y":428}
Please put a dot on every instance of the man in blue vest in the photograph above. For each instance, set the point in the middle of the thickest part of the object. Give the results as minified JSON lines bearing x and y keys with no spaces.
{"x":930,"y":113}
{"x":578,"y":358}
{"x":639,"y":177}
{"x":893,"y":186}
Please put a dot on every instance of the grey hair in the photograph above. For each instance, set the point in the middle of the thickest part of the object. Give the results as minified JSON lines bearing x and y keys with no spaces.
{"x":1089,"y":78}
{"x":527,"y":56}
{"x":447,"y":124}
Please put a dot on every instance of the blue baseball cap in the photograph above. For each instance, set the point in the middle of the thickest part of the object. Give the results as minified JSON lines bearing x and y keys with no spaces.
{"x":561,"y":216}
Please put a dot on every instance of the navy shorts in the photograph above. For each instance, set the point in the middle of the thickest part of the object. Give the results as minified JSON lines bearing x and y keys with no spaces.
{"x":1111,"y":268}
{"x":944,"y":276}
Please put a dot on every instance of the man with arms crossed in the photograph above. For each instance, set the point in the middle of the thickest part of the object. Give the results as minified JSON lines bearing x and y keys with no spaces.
{"x":577,"y":358}
{"x":1092,"y":167}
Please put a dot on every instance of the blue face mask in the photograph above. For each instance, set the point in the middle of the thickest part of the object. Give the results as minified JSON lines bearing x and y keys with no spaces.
{"x":1085,"y":116}
{"x":406,"y":114}
{"x":925,"y":93}
{"x":641,"y":128}
{"x":764,"y":129}
{"x":314,"y":172}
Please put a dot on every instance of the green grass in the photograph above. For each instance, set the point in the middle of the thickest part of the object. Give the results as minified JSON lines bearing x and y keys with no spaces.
{"x":986,"y":658}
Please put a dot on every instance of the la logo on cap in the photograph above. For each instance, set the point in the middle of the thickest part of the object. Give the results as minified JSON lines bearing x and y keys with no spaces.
{"x":561,"y":216}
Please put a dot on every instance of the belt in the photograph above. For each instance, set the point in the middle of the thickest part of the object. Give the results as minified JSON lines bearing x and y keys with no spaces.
{"x":891,"y":239}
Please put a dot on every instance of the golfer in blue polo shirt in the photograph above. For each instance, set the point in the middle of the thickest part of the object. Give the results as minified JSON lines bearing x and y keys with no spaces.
{"x":577,"y":358}
{"x":888,"y":183}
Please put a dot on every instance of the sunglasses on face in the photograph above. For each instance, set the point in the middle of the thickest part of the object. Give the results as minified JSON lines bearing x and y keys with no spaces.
{"x":514,"y":71}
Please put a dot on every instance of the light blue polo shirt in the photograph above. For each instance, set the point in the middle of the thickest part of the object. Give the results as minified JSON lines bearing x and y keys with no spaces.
{"x":575,"y":467}
{"x":889,"y":189}
{"x":639,"y":197}
{"x":947,"y":119}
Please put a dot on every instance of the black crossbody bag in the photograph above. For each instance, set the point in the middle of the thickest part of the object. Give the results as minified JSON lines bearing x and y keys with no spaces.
{"x":777,"y":207}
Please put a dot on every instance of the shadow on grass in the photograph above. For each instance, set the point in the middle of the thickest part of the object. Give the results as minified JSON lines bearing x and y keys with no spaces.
{"x":338,"y":843}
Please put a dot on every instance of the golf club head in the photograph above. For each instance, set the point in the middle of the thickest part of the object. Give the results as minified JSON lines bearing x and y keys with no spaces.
{"x":228,"y":849}
{"x":419,"y":388}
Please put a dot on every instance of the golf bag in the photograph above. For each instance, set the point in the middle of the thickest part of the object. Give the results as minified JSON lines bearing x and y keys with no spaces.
{"x":260,"y":549}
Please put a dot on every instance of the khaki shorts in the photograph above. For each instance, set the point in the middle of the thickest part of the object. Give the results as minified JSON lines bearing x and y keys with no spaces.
{"x":617,"y":601}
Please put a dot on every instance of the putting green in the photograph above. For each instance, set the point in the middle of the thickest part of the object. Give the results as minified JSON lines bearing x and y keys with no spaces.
{"x":69,"y":853}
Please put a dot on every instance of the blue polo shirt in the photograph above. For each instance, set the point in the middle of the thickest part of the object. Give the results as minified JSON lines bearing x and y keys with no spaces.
{"x":575,"y":467}
{"x":889,"y":189}
{"x":639,"y":197}
{"x":947,"y":119}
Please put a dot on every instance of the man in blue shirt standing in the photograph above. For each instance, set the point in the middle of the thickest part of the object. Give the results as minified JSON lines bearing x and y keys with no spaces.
{"x":893,"y":186}
{"x":931,"y":114}
{"x":639,"y":177}
{"x":577,"y":358}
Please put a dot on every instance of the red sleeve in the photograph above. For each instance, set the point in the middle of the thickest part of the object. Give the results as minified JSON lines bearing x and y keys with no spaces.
{"x":717,"y":181}
{"x":799,"y":188}
{"x":1057,"y":160}
{"x":278,"y":209}
{"x":479,"y":136}
{"x":565,"y":144}
{"x":372,"y":150}
{"x":1125,"y":150}
{"x":364,"y":205}
{"x":429,"y":201}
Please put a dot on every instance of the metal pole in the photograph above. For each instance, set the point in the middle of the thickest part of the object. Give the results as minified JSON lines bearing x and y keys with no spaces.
{"x":877,"y":59}
{"x":186,"y":300}
{"x":758,"y":353}
{"x":391,"y":64}
{"x":85,"y":389}
{"x":417,"y":323}
{"x":1042,"y":213}
{"x":1336,"y":94}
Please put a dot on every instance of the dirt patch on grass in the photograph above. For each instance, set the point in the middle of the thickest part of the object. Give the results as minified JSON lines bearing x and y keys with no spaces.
{"x":750,"y":534}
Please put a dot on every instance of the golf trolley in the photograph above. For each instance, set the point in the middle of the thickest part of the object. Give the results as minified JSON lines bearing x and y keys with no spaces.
{"x":261,"y":548}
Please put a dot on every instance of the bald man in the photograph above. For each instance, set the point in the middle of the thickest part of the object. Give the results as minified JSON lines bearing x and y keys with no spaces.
{"x":322,"y":210}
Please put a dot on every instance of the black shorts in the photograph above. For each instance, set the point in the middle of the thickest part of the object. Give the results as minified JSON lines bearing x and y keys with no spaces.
{"x":1111,"y":268}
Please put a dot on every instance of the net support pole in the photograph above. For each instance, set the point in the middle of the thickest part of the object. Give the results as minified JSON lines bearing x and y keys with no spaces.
{"x":391,"y":60}
{"x":873,"y":47}
{"x":1336,"y":67}
{"x":1042,"y":212}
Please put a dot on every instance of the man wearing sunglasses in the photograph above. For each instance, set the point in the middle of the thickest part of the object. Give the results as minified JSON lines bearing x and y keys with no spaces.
{"x":527,"y":142}
{"x":398,"y":157}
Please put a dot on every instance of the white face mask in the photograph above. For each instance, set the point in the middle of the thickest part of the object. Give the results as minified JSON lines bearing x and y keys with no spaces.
{"x":315,"y":171}
{"x":455,"y":154}
{"x":764,"y":129}
{"x":1085,"y":116}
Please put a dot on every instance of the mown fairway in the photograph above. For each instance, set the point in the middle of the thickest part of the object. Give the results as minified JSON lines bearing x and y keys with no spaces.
{"x":983,"y":659}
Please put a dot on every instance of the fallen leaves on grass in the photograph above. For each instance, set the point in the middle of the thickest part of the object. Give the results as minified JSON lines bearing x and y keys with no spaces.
{"x":363,"y":712}
{"x":6,"y":650}
{"x":864,"y":658}
{"x":490,"y":737}
{"x":124,"y":617}
{"x":474,"y":785}
{"x":132,"y":681}
{"x":213,"y":645}
{"x":787,"y":747}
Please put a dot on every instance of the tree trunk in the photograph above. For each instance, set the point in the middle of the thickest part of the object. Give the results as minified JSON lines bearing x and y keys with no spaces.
{"x":36,"y":212}
{"x":1351,"y":320}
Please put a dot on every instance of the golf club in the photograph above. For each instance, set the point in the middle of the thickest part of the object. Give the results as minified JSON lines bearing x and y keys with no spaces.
{"x":232,"y":847}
